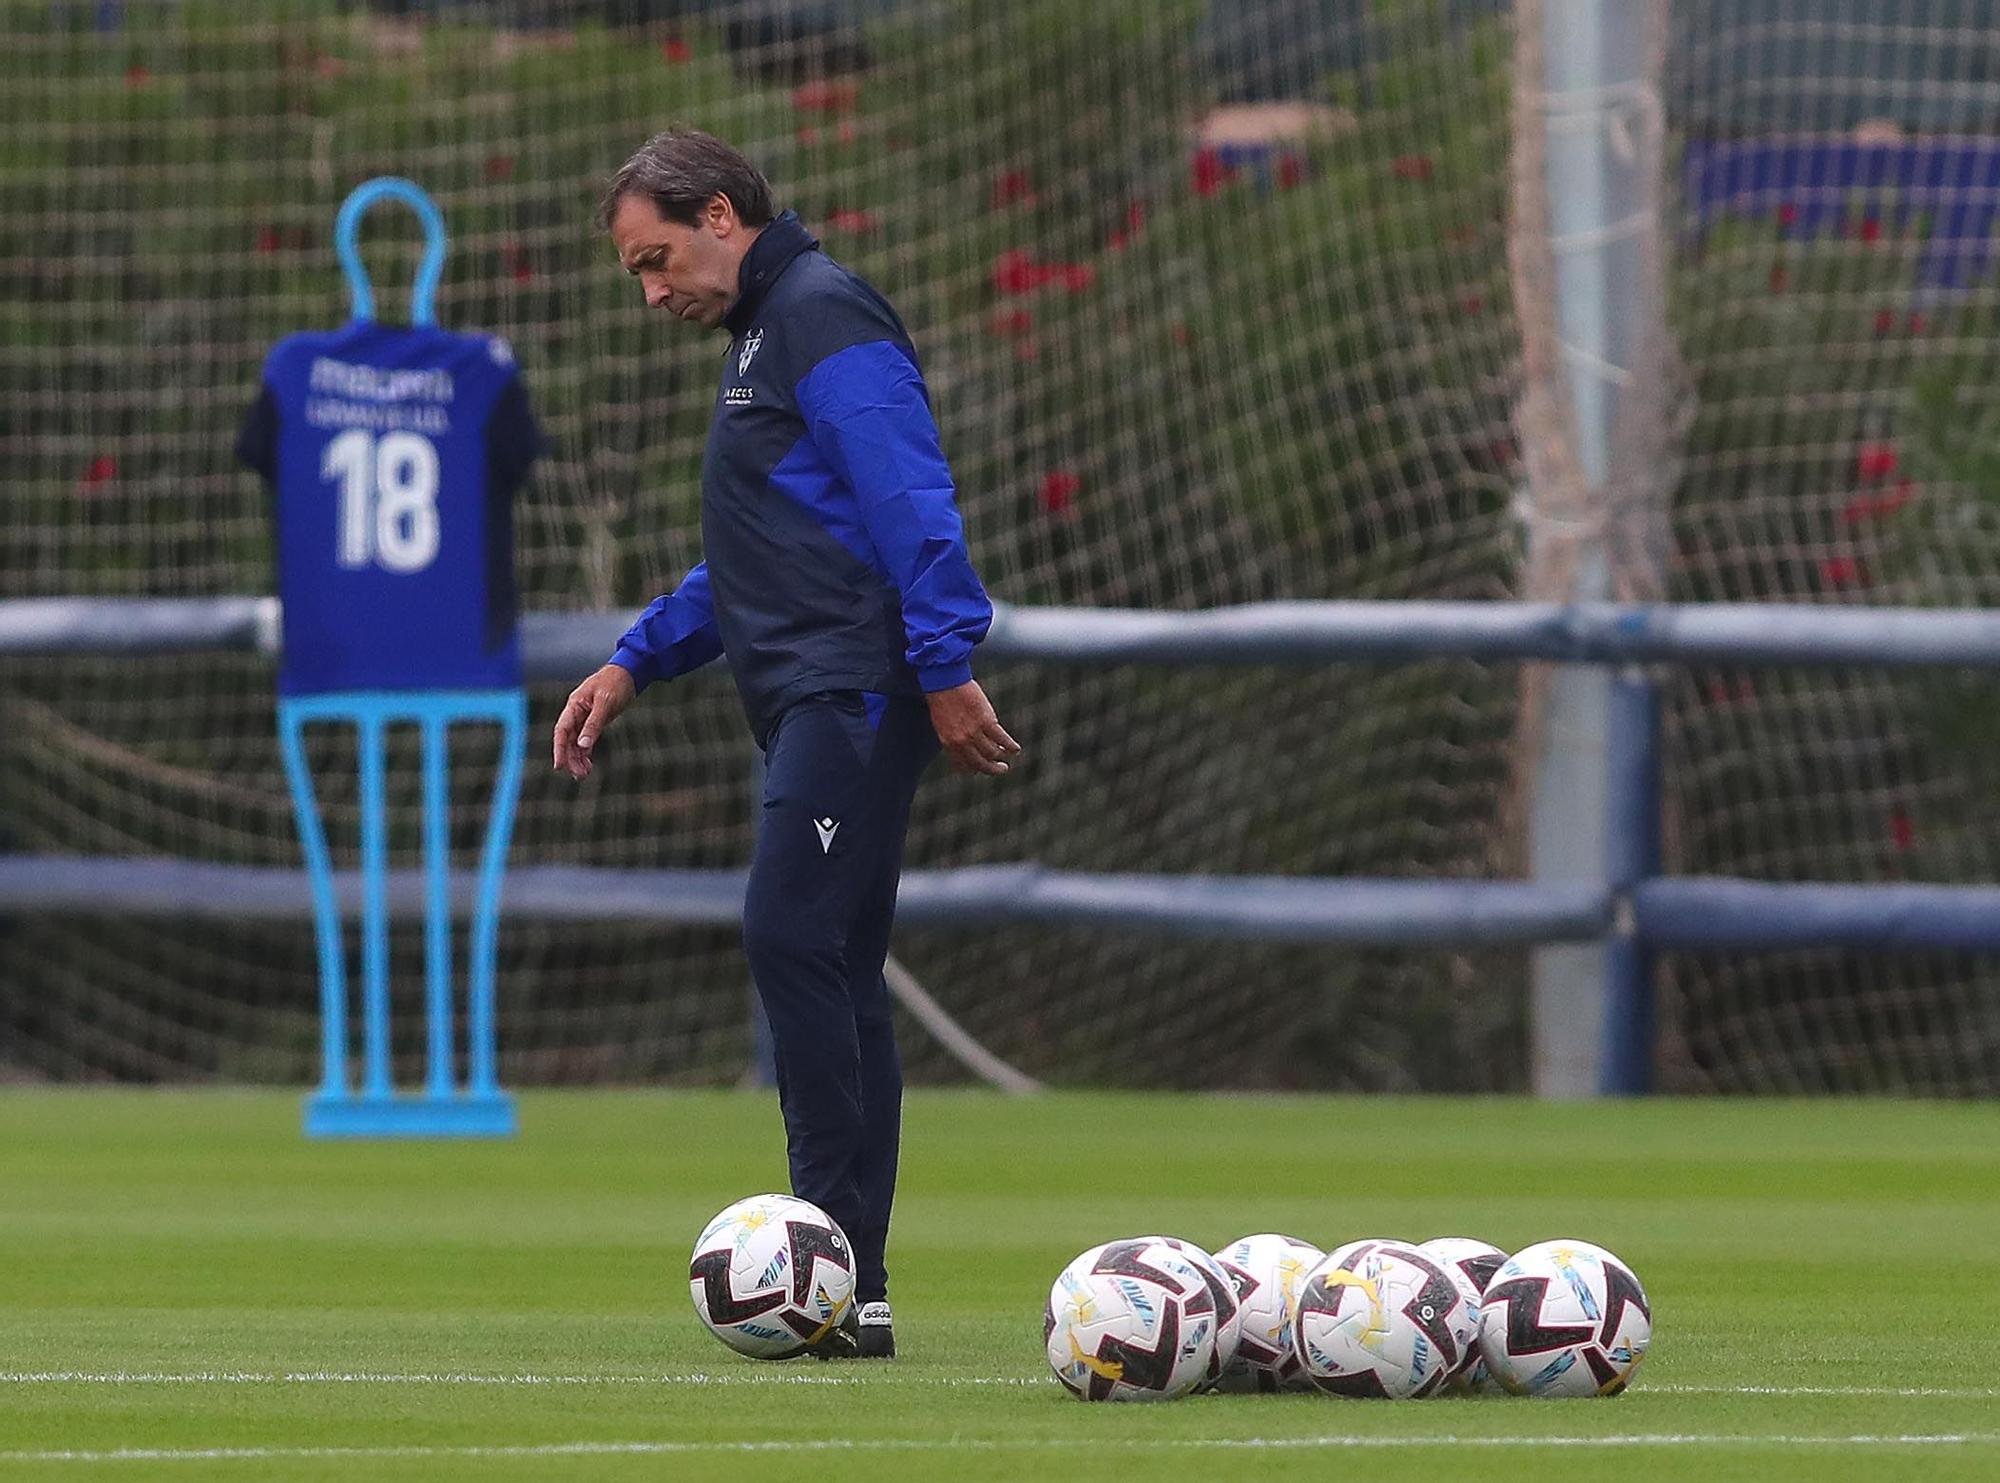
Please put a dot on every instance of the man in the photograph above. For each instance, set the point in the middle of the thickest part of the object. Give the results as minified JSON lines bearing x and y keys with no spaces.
{"x":836,"y":584}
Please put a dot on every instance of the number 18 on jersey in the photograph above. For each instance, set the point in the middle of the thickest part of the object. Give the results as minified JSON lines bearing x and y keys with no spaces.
{"x":394,"y":454}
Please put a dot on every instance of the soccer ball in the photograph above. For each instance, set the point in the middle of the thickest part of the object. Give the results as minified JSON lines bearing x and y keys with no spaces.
{"x":1346,"y":1254}
{"x":1228,"y":1315}
{"x":1473,"y":1263}
{"x":1130,"y":1321}
{"x":1391,"y":1323}
{"x":1477,"y":1260}
{"x":1267,"y":1270}
{"x":1564,"y":1318}
{"x":771,"y":1275}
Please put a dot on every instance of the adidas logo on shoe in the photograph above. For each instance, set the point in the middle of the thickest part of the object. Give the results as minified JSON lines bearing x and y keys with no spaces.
{"x":875,"y":1335}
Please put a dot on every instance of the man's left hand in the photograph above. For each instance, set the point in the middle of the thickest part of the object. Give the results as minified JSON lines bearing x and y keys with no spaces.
{"x":972,"y":735}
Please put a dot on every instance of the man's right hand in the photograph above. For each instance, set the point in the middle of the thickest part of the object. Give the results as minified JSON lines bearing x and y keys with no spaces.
{"x":591,"y":707}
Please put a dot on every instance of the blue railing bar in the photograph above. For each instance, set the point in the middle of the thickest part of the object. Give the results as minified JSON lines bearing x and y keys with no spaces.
{"x":1262,"y":908}
{"x":568,"y":645}
{"x":1589,"y":633}
{"x":1681,"y":913}
{"x":1710,"y":914}
{"x":136,"y":626}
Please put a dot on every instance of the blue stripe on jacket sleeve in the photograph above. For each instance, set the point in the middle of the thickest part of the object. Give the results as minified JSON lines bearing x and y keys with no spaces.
{"x":866,"y":410}
{"x":675,"y":634}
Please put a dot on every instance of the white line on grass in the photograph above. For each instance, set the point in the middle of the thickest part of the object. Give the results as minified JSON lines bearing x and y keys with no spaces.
{"x":926,"y":1444}
{"x":367,"y":1377}
{"x":1969,"y":1393}
{"x":792,"y":1377}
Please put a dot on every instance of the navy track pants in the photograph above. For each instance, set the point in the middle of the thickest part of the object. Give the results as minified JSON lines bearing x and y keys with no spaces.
{"x":839,"y":773}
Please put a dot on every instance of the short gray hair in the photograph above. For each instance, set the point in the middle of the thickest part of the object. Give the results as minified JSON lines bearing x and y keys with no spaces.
{"x":680,"y":171}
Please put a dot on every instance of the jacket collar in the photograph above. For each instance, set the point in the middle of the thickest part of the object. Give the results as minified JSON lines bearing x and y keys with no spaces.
{"x":781,"y":240}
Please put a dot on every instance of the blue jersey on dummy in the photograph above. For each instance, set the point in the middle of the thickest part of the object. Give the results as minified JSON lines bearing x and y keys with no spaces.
{"x":395,"y":453}
{"x":834,"y":554}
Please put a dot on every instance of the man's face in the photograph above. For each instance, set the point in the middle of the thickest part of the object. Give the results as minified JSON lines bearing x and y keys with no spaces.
{"x":689,"y":271}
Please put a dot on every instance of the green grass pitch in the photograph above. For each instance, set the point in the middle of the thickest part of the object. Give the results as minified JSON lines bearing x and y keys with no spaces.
{"x":184,"y":1279}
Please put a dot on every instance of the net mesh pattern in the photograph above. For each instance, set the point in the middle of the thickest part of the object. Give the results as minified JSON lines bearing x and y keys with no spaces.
{"x":1212,"y":301}
{"x":1837,"y":177}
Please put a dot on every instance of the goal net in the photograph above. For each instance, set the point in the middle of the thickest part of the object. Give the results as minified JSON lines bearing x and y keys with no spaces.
{"x":1834,"y":298}
{"x":1213,"y":302}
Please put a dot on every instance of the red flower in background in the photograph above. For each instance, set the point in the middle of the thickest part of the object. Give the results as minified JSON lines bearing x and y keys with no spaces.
{"x":1841,"y":571}
{"x":1291,"y":170}
{"x":520,"y":264}
{"x":1788,"y":215}
{"x":267,"y":240}
{"x":1871,"y":230}
{"x":1902,"y":830}
{"x":137,"y":76}
{"x":1015,"y":272}
{"x":1135,"y":224}
{"x":676,"y":51}
{"x":1011,"y":186}
{"x":826,"y":97}
{"x":499,"y":167}
{"x":1918,"y":324}
{"x":1720,"y":692}
{"x":1059,"y":490}
{"x":1875,"y":461}
{"x":846,"y":133}
{"x":1885,"y":321}
{"x":1414,"y":167}
{"x":858,"y":222}
{"x":1871,"y":506}
{"x":1210,"y":174}
{"x":102,"y":470}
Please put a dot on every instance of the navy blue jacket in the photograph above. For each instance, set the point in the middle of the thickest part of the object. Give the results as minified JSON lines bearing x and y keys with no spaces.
{"x":834,"y":558}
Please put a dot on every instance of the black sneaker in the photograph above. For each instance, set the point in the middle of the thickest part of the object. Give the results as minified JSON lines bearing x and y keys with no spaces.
{"x":875,"y":1332}
{"x":840,"y":1342}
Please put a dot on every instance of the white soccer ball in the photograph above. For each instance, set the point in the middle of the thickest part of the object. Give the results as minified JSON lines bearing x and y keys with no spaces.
{"x":1130,"y":1321}
{"x":1267,"y":1270}
{"x":1345,"y":1254}
{"x":1473,"y":1263}
{"x":1391,"y":1323}
{"x":1228,"y":1316}
{"x":771,"y":1275}
{"x":1564,"y":1318}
